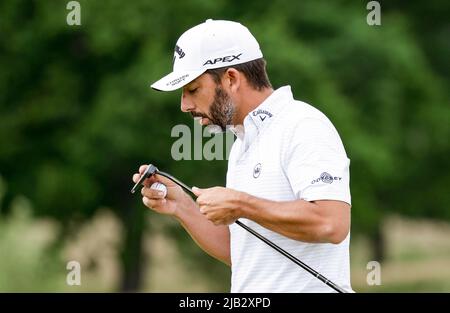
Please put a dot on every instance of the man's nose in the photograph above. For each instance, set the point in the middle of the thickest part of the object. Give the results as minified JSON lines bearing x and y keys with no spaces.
{"x":186,"y":104}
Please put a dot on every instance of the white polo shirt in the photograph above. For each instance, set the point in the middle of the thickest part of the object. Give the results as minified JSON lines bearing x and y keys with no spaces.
{"x":288,"y":150}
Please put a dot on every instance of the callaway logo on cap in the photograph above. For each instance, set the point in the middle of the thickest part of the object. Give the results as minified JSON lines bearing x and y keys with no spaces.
{"x":212,"y":44}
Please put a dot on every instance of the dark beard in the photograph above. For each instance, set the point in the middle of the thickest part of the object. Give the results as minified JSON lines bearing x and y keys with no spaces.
{"x":222,"y":110}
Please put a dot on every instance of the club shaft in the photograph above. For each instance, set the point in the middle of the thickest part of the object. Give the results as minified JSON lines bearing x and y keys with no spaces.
{"x":143,"y":177}
{"x":181,"y":184}
{"x":292,"y":258}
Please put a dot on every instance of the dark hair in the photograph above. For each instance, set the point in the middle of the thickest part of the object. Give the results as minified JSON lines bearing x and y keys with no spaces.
{"x":254,"y":71}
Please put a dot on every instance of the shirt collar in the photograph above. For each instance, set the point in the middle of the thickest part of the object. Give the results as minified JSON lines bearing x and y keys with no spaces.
{"x":264,"y":113}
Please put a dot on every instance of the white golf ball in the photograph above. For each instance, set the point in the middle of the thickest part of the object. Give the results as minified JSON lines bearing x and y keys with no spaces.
{"x":160,"y":187}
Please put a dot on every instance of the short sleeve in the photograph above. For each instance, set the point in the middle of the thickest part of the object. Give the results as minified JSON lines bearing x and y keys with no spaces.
{"x":316,"y":163}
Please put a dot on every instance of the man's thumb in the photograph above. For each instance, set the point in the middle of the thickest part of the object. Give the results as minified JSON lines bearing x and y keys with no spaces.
{"x":197,"y":191}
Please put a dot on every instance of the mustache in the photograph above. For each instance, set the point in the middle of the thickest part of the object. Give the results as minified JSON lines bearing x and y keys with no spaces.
{"x":195,"y":114}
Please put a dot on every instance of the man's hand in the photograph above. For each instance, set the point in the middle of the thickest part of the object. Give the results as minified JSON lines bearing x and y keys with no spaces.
{"x":219,"y":205}
{"x":174,"y":201}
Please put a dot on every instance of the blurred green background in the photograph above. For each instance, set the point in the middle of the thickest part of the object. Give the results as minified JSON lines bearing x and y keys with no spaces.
{"x":77,"y":117}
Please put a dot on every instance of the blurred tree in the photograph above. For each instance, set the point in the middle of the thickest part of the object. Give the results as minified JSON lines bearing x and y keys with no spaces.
{"x":77,"y":117}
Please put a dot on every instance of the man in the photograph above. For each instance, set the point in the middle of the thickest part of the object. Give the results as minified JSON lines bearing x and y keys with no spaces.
{"x":288,"y":173}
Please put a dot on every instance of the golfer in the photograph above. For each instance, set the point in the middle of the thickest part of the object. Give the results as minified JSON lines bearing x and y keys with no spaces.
{"x":288,"y":172}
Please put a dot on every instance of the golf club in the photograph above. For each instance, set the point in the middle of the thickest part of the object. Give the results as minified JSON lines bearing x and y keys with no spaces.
{"x":151,"y":170}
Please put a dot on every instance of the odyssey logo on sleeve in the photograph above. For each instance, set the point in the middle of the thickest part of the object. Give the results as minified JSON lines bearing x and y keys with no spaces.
{"x":325,"y":178}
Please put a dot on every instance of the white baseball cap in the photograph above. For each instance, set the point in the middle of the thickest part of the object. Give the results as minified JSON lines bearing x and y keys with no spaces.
{"x":212,"y":44}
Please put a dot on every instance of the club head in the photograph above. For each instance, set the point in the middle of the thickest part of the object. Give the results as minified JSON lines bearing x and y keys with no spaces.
{"x":151,"y":170}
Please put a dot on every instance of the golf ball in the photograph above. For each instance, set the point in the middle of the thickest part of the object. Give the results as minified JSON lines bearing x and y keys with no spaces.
{"x":160,"y":187}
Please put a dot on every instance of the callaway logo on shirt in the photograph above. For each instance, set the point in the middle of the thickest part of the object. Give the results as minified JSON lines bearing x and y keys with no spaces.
{"x":263,"y":114}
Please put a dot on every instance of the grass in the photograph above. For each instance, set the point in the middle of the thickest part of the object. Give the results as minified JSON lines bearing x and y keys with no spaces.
{"x":417,"y":257}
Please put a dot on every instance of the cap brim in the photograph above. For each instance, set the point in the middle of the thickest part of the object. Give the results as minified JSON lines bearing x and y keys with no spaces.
{"x":176,"y":80}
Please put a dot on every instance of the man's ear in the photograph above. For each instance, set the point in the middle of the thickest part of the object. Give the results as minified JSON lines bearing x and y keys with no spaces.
{"x":232,"y":79}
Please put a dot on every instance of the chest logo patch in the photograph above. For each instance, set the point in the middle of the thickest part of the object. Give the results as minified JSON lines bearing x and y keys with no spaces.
{"x":263,"y":114}
{"x":257,"y":170}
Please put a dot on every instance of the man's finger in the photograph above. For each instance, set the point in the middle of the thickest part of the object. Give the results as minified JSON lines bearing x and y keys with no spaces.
{"x":152,"y":193}
{"x":202,"y":209}
{"x":142,"y":169}
{"x":136,"y":177}
{"x":153,"y":203}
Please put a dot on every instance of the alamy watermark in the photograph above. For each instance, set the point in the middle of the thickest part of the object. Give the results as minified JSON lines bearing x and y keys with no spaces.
{"x":373,"y":278}
{"x":74,"y":16}
{"x":73,"y":278}
{"x":374,"y":16}
{"x":190,"y":145}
